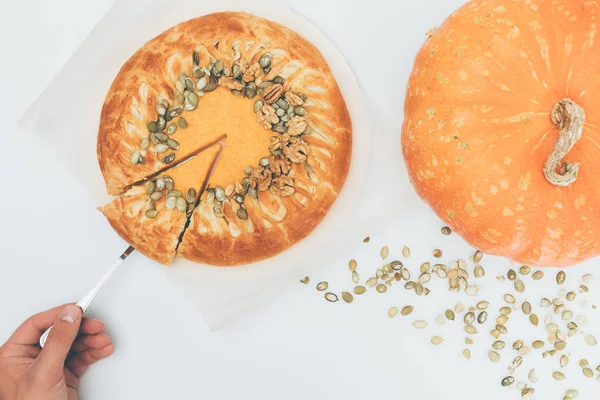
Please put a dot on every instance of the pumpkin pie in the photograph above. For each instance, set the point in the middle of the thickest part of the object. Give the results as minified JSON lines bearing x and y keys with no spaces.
{"x":260,"y":94}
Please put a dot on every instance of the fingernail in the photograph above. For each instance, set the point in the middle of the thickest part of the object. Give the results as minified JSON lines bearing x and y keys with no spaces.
{"x":70,"y":314}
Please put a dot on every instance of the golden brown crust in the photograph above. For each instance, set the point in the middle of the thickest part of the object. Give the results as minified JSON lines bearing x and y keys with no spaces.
{"x":275,"y":223}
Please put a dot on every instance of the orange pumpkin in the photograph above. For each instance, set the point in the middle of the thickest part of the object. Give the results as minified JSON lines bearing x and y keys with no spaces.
{"x":502,"y":128}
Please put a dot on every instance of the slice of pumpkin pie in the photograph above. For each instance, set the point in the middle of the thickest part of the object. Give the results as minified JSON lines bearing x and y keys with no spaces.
{"x":152,"y":215}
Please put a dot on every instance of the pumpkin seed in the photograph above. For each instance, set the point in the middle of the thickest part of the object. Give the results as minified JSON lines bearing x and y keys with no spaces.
{"x":470,"y":329}
{"x":173,"y":144}
{"x":145,"y":144}
{"x":526,"y":308}
{"x":437,"y":253}
{"x":169,"y":158}
{"x":564,"y":360}
{"x":572,"y":394}
{"x":479,"y":272}
{"x":537,"y":344}
{"x":191,"y":195}
{"x":583,"y":363}
{"x":482,"y":317}
{"x":494,"y":356}
{"x":219,"y":193}
{"x":537,"y":275}
{"x":181,"y":204}
{"x":532,"y":377}
{"x":161,"y":124}
{"x":161,"y":137}
{"x":534,"y":319}
{"x":331,"y":297}
{"x":519,"y":286}
{"x":151,"y":213}
{"x":250,"y":90}
{"x":172,"y":128}
{"x":498,"y":345}
{"x":583,"y":289}
{"x":459,"y":308}
{"x":265,"y":60}
{"x":278,"y":80}
{"x":420,"y":324}
{"x":280,"y":128}
{"x":385,"y":251}
{"x":437,"y":340}
{"x":509,"y":298}
{"x":407,"y":310}
{"x":467,"y":354}
{"x":588,"y":278}
{"x":135,"y":157}
{"x":156,"y":196}
{"x":150,"y":187}
{"x":591,"y":340}
{"x":450,"y":315}
{"x":446,"y":230}
{"x":355,"y":277}
{"x":482,"y":305}
{"x":174,"y":193}
{"x":305,"y":280}
{"x":347,"y":297}
{"x":211,"y":85}
{"x":381,"y":288}
{"x":371,"y":282}
{"x":524,"y":270}
{"x":571,"y":296}
{"x":161,"y":148}
{"x":239,"y":198}
{"x":171,"y":202}
{"x":559,"y":376}
{"x":360,"y":290}
{"x":561,"y":277}
{"x":511,"y":275}
{"x":321,"y":286}
{"x":406,"y":251}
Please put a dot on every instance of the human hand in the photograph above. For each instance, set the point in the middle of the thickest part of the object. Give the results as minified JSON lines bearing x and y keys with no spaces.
{"x":29,"y":372}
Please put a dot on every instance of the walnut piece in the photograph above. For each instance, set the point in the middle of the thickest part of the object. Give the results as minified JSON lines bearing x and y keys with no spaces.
{"x":279,"y":165}
{"x":296,"y":126}
{"x":283,"y":186}
{"x":278,"y":142}
{"x":267,"y":116}
{"x":272,"y":93}
{"x":231,"y":83}
{"x":297,"y":151}
{"x":261,"y":179}
{"x":293,"y":99}
{"x":252,"y":73}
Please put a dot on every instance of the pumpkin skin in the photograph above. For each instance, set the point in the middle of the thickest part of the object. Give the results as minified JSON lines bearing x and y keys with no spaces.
{"x":478,"y":127}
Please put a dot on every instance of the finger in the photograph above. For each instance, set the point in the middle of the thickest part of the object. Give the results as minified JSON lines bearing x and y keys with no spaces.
{"x":30,"y":331}
{"x":83,"y":343}
{"x":13,"y":350}
{"x":71,"y":394}
{"x":63,"y":333}
{"x":91,"y":326}
{"x":70,"y":379}
{"x":79,"y":362}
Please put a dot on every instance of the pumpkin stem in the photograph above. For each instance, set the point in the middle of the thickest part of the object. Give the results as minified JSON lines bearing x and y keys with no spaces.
{"x":569,"y":117}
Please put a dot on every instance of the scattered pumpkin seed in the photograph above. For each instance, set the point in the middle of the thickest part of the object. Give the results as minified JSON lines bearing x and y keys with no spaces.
{"x":347,"y":297}
{"x":479,"y":272}
{"x":437,"y":340}
{"x":169,"y":158}
{"x":498,"y":345}
{"x":559,"y":376}
{"x":406,"y":310}
{"x":537,"y":344}
{"x":305,"y":280}
{"x":526,"y":308}
{"x":564,"y":360}
{"x":572,"y":394}
{"x":587,"y":278}
{"x":519,"y":286}
{"x":509,"y":298}
{"x":561,"y":277}
{"x":321,"y":286}
{"x":482,"y":317}
{"x":467,"y":354}
{"x":360,"y":290}
{"x":437,"y":253}
{"x":494,"y":356}
{"x":534,"y":319}
{"x":583,"y":363}
{"x":449,"y":315}
{"x":151,"y":213}
{"x":381,"y":288}
{"x":331,"y":297}
{"x":591,"y":340}
{"x":537,"y":275}
{"x":420,"y":324}
{"x":385,"y":251}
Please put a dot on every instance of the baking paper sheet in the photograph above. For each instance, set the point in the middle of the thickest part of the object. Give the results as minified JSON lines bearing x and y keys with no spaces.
{"x":219,"y":294}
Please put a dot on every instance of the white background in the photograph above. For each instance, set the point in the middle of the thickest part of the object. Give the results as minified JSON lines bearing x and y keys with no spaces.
{"x":55,"y":245}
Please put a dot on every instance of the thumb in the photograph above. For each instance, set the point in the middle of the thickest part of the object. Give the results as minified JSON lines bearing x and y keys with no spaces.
{"x":61,"y":337}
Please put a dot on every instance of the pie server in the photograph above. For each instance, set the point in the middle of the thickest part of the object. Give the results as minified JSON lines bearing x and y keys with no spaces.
{"x":86,"y":300}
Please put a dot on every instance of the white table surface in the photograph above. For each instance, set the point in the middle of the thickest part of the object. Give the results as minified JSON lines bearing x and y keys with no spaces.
{"x":55,"y":245}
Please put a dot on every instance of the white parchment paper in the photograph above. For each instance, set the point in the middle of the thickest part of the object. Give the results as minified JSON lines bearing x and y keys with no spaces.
{"x":67,"y":114}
